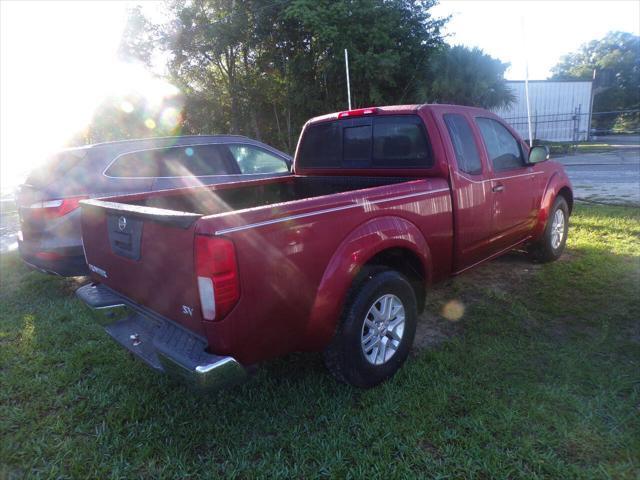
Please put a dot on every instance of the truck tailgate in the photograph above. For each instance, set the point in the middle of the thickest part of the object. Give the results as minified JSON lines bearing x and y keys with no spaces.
{"x":145,"y":254}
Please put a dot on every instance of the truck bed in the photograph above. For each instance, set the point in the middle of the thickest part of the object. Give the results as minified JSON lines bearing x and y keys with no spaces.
{"x":244,"y":195}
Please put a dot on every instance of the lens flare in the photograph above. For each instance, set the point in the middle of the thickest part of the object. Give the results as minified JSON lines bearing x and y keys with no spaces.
{"x":150,"y":123}
{"x":453,"y":310}
{"x":126,"y":107}
{"x":170,"y":118}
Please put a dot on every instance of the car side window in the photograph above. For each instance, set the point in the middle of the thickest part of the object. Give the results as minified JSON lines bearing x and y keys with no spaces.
{"x":142,"y":164}
{"x":196,"y":161}
{"x":183,"y":161}
{"x":464,"y":145}
{"x":503,"y":149}
{"x":255,"y":160}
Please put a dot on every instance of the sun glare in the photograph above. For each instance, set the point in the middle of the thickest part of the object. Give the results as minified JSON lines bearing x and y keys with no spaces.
{"x":59,"y":62}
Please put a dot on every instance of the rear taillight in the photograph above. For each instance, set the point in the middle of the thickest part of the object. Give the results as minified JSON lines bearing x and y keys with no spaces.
{"x":217,"y":273}
{"x":55,"y":208}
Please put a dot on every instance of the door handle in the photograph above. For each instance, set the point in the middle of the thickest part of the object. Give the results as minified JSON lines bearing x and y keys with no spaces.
{"x":498,"y":188}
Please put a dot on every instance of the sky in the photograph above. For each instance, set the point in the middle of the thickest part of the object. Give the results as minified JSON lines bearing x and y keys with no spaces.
{"x":551,"y":28}
{"x":58,"y":60}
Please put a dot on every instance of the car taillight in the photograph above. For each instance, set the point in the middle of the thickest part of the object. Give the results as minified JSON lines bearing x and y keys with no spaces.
{"x":358,"y":112}
{"x":217,"y":274}
{"x":48,"y":255}
{"x":55,"y":208}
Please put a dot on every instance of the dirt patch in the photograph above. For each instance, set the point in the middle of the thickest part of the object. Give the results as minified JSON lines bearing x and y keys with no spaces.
{"x":69,"y":285}
{"x":443,"y":317}
{"x":430,"y":448}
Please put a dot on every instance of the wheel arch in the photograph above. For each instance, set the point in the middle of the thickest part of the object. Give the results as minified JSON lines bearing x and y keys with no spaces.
{"x":557,"y":185}
{"x":390,"y":241}
{"x":567,"y":193}
{"x":406,"y":262}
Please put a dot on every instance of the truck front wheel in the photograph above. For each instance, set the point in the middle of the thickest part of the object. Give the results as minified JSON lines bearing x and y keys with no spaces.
{"x":376,"y":329}
{"x":551,"y":245}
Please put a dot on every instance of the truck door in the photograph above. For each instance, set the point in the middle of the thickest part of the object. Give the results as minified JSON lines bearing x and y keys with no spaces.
{"x":513,"y":184}
{"x":472,"y":195}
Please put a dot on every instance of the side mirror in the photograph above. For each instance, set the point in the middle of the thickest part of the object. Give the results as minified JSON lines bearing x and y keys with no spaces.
{"x":539,"y":153}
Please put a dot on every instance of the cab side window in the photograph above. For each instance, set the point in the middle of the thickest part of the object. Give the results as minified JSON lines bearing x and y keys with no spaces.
{"x":255,"y":160}
{"x":503,"y":149}
{"x":464,"y":145}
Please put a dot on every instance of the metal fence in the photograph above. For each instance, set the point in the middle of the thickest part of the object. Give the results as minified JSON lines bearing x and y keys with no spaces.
{"x":572,"y":125}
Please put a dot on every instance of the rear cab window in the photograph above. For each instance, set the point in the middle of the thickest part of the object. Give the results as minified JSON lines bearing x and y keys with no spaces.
{"x":385,"y":141}
{"x":182,"y":161}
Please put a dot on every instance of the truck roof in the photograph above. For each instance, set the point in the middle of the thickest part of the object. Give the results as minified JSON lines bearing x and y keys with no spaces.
{"x":392,"y":110}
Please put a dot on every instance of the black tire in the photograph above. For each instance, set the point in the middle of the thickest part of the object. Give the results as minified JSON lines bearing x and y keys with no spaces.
{"x":345,"y":357}
{"x":544,"y":250}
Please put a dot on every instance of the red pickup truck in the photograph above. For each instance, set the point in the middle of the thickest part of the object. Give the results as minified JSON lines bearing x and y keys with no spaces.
{"x":335,"y":258}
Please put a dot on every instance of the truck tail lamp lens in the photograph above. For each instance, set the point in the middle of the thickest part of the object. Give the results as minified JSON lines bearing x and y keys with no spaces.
{"x":55,"y":208}
{"x":218,"y":280}
{"x":360,"y":112}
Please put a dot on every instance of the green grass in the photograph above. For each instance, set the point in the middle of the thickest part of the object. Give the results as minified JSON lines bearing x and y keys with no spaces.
{"x":541,"y":381}
{"x":563,"y":148}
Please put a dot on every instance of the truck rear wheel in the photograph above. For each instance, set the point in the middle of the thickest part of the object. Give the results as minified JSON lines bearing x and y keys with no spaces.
{"x":376,"y":329}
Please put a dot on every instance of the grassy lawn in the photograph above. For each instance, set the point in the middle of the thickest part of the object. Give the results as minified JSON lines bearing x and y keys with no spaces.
{"x":563,"y":148}
{"x":540,"y":379}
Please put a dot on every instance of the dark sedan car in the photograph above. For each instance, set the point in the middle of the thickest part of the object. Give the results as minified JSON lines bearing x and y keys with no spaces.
{"x":50,"y":238}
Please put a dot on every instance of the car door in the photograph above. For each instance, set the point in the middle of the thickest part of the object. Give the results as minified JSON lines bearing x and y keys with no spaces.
{"x":513,"y":183}
{"x":472,"y":195}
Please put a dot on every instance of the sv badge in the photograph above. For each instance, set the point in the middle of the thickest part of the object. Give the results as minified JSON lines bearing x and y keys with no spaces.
{"x":187,"y":310}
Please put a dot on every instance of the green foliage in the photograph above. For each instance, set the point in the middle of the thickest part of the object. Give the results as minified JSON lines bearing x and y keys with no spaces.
{"x":616,"y":59}
{"x":131,"y":116}
{"x":138,"y":37}
{"x":263,"y":69}
{"x":468,"y":76}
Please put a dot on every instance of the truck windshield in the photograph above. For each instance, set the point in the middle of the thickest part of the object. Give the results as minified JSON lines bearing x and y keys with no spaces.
{"x":389,"y":141}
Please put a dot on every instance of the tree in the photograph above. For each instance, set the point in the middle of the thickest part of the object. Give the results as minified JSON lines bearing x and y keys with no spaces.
{"x":615,"y":57}
{"x":467,"y":76}
{"x":262,"y":68}
{"x":131,"y":116}
{"x":138,"y":38}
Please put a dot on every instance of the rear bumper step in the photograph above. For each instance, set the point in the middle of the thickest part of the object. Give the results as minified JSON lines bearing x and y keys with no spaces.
{"x":161,"y":344}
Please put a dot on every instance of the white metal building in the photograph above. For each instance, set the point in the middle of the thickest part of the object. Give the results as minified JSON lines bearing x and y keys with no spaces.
{"x":560,"y":110}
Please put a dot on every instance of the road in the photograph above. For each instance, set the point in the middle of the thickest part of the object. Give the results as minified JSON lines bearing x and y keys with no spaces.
{"x":612,"y":177}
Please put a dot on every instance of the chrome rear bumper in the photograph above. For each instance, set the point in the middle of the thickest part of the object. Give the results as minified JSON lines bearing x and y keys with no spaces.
{"x":161,"y":344}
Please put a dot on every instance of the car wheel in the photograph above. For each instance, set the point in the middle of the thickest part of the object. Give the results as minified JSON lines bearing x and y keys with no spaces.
{"x":376,"y":329}
{"x":554,"y":239}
